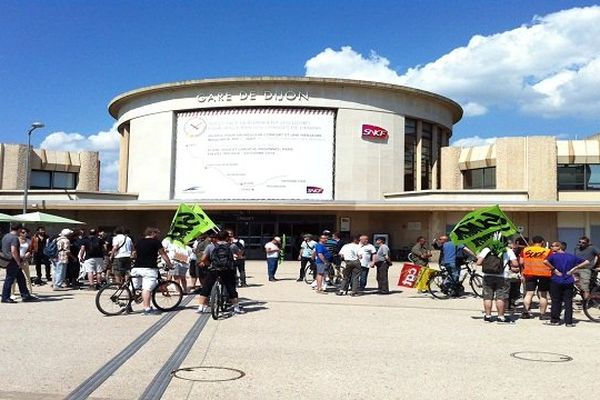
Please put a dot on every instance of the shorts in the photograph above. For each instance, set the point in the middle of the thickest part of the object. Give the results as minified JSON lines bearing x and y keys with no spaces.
{"x":179,"y":270}
{"x":585,"y":277}
{"x":120,"y":266}
{"x":194,"y":269}
{"x":147,"y":278}
{"x":322,"y":268}
{"x":93,"y":265}
{"x":495,"y":287}
{"x":541,"y":282}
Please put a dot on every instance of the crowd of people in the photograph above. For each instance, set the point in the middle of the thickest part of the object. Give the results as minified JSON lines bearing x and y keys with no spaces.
{"x":535,"y":267}
{"x":337,"y":265}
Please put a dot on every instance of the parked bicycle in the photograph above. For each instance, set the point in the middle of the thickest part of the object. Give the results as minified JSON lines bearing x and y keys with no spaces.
{"x":115,"y":299}
{"x":591,"y":306}
{"x":219,"y":298}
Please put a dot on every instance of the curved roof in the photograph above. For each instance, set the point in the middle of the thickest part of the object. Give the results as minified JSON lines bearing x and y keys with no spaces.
{"x":120,"y":100}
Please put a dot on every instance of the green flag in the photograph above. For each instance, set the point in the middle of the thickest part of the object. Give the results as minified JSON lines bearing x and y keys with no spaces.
{"x":476,"y":229}
{"x":282,"y":249}
{"x":188,"y":223}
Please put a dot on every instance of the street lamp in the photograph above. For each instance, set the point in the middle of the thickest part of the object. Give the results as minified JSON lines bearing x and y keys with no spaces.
{"x":34,"y":126}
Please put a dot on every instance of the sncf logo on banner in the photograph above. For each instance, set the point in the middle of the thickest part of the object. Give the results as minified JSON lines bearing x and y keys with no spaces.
{"x":374,"y":132}
{"x":314,"y":189}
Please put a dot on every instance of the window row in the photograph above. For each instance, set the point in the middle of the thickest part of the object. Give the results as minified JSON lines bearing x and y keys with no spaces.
{"x":52,"y":180}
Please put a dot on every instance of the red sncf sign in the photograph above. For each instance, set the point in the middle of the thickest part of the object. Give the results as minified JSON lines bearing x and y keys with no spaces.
{"x":372,"y":131}
{"x":314,"y":189}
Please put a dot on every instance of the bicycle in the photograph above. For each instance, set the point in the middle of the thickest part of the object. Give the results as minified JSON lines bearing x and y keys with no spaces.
{"x":591,"y":306}
{"x":219,"y":298}
{"x":440,"y":283}
{"x":115,"y":299}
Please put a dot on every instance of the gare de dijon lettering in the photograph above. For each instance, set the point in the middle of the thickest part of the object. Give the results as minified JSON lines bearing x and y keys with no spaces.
{"x":267,"y":95}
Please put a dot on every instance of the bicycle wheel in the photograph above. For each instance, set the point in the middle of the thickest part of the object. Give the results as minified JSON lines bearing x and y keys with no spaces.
{"x":591,"y":307}
{"x":476,"y":283}
{"x":215,"y":299}
{"x":224,"y":303}
{"x":113,"y":299}
{"x":437,"y":287}
{"x":308,"y":275}
{"x":167,"y":295}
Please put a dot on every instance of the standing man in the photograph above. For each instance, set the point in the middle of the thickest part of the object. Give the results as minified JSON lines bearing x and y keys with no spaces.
{"x":537,"y":276}
{"x":383,"y":264}
{"x":448,"y":259}
{"x":349,"y":254}
{"x":239,"y":258}
{"x":306,"y":256}
{"x":38,"y":243}
{"x":11,"y":250}
{"x":590,"y":253}
{"x":323,"y":261}
{"x":495,"y":285}
{"x":122,"y":247}
{"x":365,"y":255}
{"x":91,"y":256}
{"x":272,"y":250}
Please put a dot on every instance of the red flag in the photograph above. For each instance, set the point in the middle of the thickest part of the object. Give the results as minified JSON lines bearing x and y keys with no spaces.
{"x":409,"y":275}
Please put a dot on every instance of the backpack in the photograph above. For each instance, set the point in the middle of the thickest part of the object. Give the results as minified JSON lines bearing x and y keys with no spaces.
{"x":221,"y":257}
{"x":492,"y":264}
{"x":51,"y":249}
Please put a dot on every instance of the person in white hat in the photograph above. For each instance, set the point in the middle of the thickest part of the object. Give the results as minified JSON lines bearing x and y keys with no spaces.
{"x":63,"y":245}
{"x":272,"y":249}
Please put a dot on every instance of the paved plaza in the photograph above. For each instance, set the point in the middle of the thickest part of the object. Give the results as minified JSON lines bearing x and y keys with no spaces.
{"x":291,"y":344}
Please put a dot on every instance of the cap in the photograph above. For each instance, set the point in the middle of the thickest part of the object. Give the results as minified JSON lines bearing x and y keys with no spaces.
{"x":277,"y":239}
{"x":326,"y":232}
{"x":66,"y":232}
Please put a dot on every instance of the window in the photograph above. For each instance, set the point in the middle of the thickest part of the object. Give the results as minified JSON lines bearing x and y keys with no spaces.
{"x":426,"y":155}
{"x":579,"y":177}
{"x":482,"y":178}
{"x":52,"y":180}
{"x":410,"y":149}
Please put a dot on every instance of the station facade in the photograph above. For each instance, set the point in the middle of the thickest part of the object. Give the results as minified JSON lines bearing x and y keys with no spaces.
{"x":274,"y":155}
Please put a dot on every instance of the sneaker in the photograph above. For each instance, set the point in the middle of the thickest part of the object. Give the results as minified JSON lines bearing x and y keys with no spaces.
{"x":570,"y":325}
{"x":203,"y":309}
{"x":30,"y":298}
{"x":357,"y":294}
{"x":505,"y":320}
{"x":544,"y":318}
{"x":150,"y":311}
{"x":9,"y":301}
{"x":488,"y":318}
{"x":321,"y":291}
{"x":299,"y":280}
{"x":238,"y":310}
{"x":340,"y":293}
{"x":552,"y":323}
{"x":526,"y":315}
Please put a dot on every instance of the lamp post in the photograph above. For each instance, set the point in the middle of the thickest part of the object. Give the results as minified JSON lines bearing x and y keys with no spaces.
{"x":34,"y":126}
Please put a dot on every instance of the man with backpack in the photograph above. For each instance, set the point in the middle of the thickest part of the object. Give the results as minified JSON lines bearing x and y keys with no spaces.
{"x":495,"y":260}
{"x":239,"y":258}
{"x":218,"y":258}
{"x":91,"y":256}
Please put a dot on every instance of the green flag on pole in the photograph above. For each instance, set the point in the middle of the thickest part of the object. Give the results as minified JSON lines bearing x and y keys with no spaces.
{"x":476,"y":229}
{"x":188,"y":223}
{"x":282,"y":249}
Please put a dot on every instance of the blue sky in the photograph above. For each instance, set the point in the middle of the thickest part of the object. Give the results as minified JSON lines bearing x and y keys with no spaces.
{"x":518,"y":67}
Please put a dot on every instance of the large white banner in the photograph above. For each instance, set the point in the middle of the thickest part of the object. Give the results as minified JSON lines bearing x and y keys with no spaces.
{"x":255,"y":154}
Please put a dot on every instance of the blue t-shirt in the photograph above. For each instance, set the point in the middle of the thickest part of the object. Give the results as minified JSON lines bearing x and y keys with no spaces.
{"x":322,"y":249}
{"x":449,"y":251}
{"x":564,"y":262}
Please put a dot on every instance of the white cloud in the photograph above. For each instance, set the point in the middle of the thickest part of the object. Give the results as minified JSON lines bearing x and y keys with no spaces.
{"x":473,"y":141}
{"x":550,"y":67}
{"x":106,"y":143}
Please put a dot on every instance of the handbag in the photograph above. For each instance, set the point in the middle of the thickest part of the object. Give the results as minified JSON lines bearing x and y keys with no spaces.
{"x":389,"y":263}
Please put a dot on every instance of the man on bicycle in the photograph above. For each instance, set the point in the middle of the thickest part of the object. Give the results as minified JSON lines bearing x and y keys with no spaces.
{"x":218,"y":259}
{"x":145,"y":273}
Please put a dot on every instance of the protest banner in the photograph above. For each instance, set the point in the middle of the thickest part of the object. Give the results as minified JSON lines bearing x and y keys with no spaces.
{"x":189,"y":222}
{"x":409,"y":275}
{"x":476,"y":229}
{"x":282,"y":248}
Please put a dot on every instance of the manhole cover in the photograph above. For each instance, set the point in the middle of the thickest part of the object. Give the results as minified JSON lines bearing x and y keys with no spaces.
{"x":208,"y":374}
{"x":541,"y":356}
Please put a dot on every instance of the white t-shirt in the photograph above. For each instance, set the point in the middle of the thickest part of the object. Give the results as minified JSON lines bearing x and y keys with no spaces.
{"x":349,"y":251}
{"x":308,"y":248}
{"x":366,"y":253}
{"x":270,"y":246}
{"x":177,"y":254}
{"x":507,"y":257}
{"x":125,"y":248}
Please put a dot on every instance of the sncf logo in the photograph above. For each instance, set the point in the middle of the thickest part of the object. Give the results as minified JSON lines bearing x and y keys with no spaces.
{"x":314,"y":189}
{"x":375,"y":132}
